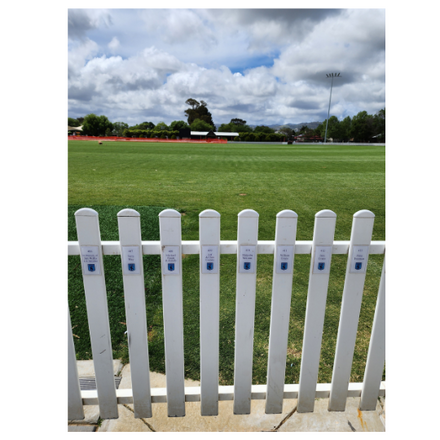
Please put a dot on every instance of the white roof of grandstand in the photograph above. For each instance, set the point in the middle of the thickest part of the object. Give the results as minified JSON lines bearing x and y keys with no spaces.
{"x":74,"y":128}
{"x":217,"y":133}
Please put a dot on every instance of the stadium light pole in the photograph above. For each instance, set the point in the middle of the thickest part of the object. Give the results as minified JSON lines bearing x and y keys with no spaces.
{"x":330,"y":75}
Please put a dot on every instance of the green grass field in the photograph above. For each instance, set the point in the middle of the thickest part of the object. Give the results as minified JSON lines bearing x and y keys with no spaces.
{"x":150,"y":177}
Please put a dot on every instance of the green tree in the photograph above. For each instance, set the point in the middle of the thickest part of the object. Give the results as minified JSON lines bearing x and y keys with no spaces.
{"x":96,"y":125}
{"x":192,"y":112}
{"x":287,"y":132}
{"x":205,"y":115}
{"x":236,"y":125}
{"x":362,"y":127}
{"x":238,"y":121}
{"x":144,"y":126}
{"x":263,"y":129}
{"x":318,"y":130}
{"x":178,"y":125}
{"x":345,"y":129}
{"x":73,"y":122}
{"x":118,"y":128}
{"x":200,"y":125}
{"x":379,"y":125}
{"x":198,"y":110}
{"x":333,"y":128}
{"x":162,"y":126}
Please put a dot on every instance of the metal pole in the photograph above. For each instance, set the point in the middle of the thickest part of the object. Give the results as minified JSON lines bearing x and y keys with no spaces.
{"x":329,"y":102}
{"x":328,"y":113}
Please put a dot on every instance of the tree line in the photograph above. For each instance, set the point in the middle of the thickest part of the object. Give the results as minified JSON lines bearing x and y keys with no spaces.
{"x":361,"y":128}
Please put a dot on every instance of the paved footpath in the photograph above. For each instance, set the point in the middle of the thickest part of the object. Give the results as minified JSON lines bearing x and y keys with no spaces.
{"x":321,"y":420}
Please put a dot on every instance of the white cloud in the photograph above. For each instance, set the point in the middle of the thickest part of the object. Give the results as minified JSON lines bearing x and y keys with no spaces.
{"x":114,"y":44}
{"x":168,"y":56}
{"x":182,"y":26}
{"x":79,"y":53}
{"x":81,"y":21}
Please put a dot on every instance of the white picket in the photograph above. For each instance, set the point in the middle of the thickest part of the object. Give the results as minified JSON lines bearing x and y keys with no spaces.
{"x":75,"y":408}
{"x":376,"y":353}
{"x":285,"y":236}
{"x":247,"y":238}
{"x":323,"y":235}
{"x":210,"y":247}
{"x":209,"y":234}
{"x":134,"y":293}
{"x":171,"y":260}
{"x":89,"y":239}
{"x":360,"y":240}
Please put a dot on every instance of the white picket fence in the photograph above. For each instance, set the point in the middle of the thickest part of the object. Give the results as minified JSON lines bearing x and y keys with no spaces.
{"x":247,"y":247}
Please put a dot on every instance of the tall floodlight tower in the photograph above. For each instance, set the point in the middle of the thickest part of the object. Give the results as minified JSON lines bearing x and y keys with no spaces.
{"x":330,"y":75}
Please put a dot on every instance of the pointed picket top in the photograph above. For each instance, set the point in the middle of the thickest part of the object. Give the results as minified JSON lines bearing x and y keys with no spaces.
{"x":86,"y":212}
{"x":248,"y":213}
{"x":364,"y":213}
{"x":325,"y":213}
{"x":170,"y":213}
{"x":287,"y":213}
{"x":209,"y":213}
{"x":128,"y":213}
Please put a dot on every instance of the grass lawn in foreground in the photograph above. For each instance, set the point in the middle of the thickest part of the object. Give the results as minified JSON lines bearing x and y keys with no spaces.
{"x":228,"y":178}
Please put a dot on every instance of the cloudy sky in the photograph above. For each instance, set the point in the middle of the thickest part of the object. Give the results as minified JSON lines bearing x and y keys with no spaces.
{"x":266,"y":66}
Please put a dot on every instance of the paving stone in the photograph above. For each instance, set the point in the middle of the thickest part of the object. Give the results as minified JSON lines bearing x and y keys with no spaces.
{"x":193,"y":421}
{"x":322,"y":420}
{"x":125,"y":423}
{"x":81,"y":428}
{"x":91,"y":415}
{"x":381,"y":410}
{"x":87,"y":369}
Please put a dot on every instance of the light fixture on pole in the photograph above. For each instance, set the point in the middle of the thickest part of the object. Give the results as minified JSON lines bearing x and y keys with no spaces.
{"x":330,"y":75}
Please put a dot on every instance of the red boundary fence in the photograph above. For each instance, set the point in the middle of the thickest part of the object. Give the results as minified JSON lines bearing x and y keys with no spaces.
{"x":115,"y":138}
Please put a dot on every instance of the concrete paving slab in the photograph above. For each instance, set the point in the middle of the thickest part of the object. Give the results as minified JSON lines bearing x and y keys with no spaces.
{"x":381,"y":410}
{"x":125,"y":423}
{"x":257,"y":421}
{"x":91,"y":415}
{"x":87,"y":369}
{"x":81,"y":428}
{"x":321,"y":420}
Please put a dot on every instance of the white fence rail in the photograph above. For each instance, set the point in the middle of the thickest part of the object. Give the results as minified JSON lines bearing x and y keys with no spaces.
{"x":247,"y":247}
